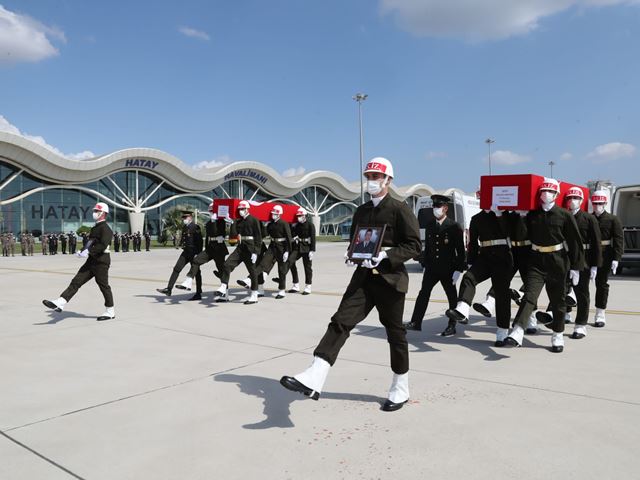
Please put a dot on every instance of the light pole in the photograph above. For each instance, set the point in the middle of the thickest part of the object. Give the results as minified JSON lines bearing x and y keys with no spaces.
{"x":360,"y":97}
{"x":489,"y":141}
{"x":551,"y":164}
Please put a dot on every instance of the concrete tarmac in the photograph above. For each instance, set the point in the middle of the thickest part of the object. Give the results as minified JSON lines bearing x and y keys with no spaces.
{"x":173,"y":389}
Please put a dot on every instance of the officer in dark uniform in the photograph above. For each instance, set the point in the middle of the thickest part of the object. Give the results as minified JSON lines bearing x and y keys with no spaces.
{"x":116,"y":242}
{"x":590,"y":236}
{"x":147,"y":241}
{"x":612,"y":247}
{"x":215,"y":249}
{"x":443,"y":260}
{"x":248,"y":231}
{"x":303,"y":235}
{"x":73,"y":240}
{"x":63,"y":243}
{"x":556,"y":248}
{"x":381,"y":282}
{"x":489,"y":257}
{"x":96,"y":266}
{"x":191,"y":243}
{"x":279,"y":248}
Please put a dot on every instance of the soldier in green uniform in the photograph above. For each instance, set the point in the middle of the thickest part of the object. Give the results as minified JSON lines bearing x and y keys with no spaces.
{"x":304,"y":246}
{"x":191,"y":243}
{"x":278,"y":252}
{"x":248,"y":231}
{"x":556,"y":248}
{"x":612,"y":247}
{"x":381,"y":282}
{"x":31,"y":241}
{"x":590,"y":236}
{"x":98,"y":257}
{"x":443,"y":260}
{"x":489,"y":256}
{"x":215,"y":249}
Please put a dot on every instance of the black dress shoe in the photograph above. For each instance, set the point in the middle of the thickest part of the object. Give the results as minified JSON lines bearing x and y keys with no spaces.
{"x":197,"y":296}
{"x":455,"y":315}
{"x":293,"y":290}
{"x":243,"y":283}
{"x":50,"y":304}
{"x":450,"y":330}
{"x":481,"y":309}
{"x":390,"y":406}
{"x":499,"y":343}
{"x":577,"y":336}
{"x":217,"y":273}
{"x":417,"y":326}
{"x":250,"y":302}
{"x":531,"y":330}
{"x":294,"y":385}
{"x":544,"y":318}
{"x":557,"y":349}
{"x":182,"y":287}
{"x":275,"y":279}
{"x":510,"y":343}
{"x":104,"y":317}
{"x":599,"y":324}
{"x":570,"y":301}
{"x":279,"y":297}
{"x":305,"y":293}
{"x":165,"y":291}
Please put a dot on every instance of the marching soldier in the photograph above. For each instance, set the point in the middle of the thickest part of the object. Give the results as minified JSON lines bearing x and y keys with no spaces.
{"x":191,"y":243}
{"x":147,"y":241}
{"x":304,"y":246}
{"x":590,"y":236}
{"x":249,"y":233}
{"x":215,"y":249}
{"x":381,"y":282}
{"x":556,"y":248}
{"x":280,"y":233}
{"x":96,"y":266}
{"x":612,"y":248}
{"x":489,"y":257}
{"x":443,"y":261}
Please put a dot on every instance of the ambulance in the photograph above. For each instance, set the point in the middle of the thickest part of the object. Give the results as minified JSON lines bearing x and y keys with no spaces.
{"x":626,"y":206}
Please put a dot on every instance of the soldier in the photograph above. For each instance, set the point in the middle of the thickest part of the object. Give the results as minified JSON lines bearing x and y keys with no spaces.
{"x":147,"y":241}
{"x":590,"y":236}
{"x":44,"y":242}
{"x":278,"y":250}
{"x":191,"y":243}
{"x":304,"y":246}
{"x":23,"y":243}
{"x":96,"y":266}
{"x":443,"y":260}
{"x":63,"y":243}
{"x":556,"y":248}
{"x":381,"y":282}
{"x":5,"y":245}
{"x":215,"y":249}
{"x":612,"y":248}
{"x":249,"y":233}
{"x":12,"y":244}
{"x":55,"y":243}
{"x":116,"y":242}
{"x":31,"y":241}
{"x":73,"y":241}
{"x":489,"y":257}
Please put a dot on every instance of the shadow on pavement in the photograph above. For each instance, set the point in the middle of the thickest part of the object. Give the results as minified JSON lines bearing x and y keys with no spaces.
{"x":56,"y":317}
{"x":277,"y":399}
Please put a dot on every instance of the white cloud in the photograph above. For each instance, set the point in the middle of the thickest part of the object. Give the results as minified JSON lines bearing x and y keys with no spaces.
{"x":24,"y":39}
{"x":293,"y":172}
{"x":6,"y":126}
{"x":434,"y":155}
{"x":215,"y":163}
{"x":566,"y":156}
{"x":193,"y":33}
{"x":476,"y":20}
{"x":505,"y":157}
{"x":612,"y":151}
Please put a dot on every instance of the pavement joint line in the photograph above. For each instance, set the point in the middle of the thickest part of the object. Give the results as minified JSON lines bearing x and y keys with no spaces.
{"x":38,"y":454}
{"x":316,"y":292}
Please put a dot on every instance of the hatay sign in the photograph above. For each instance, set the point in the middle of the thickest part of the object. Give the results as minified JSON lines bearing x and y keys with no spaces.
{"x":141,"y":163}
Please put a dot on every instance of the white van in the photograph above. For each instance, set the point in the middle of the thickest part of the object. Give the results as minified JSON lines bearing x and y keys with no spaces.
{"x":626,"y":206}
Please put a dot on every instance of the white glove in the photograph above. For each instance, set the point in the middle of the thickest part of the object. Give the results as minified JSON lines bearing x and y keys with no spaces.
{"x":219,"y":239}
{"x":83,"y":254}
{"x":285,"y":256}
{"x":347,"y":261}
{"x":310,"y":255}
{"x":522,"y":213}
{"x":375,"y":261}
{"x":494,"y":209}
{"x":456,"y":276}
{"x":254,"y":257}
{"x":593,"y":272}
{"x":614,"y":266}
{"x":214,"y":216}
{"x":574,"y":275}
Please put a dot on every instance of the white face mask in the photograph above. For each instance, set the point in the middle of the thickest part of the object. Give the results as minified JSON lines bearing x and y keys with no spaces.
{"x":574,"y":203}
{"x":302,"y":219}
{"x":374,"y":187}
{"x":438,"y":212}
{"x":275,"y":217}
{"x":598,"y":209}
{"x":547,"y":197}
{"x":96,"y":216}
{"x":186,"y":221}
{"x":243,"y":213}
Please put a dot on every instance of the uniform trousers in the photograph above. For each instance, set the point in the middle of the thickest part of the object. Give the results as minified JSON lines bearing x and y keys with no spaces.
{"x":361,"y":296}
{"x":91,"y":269}
{"x":547,"y":270}
{"x":204,"y":257}
{"x":520,"y":264}
{"x":498,"y":266}
{"x":238,"y":256}
{"x":307,"y":264}
{"x":602,"y":281}
{"x":184,"y":259}
{"x":429,"y":280}
{"x":270,"y":257}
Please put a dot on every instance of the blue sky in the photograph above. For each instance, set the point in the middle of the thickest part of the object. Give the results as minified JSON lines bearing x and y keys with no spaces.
{"x":272,"y":81}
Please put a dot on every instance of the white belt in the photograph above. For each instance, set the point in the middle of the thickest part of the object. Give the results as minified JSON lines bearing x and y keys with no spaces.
{"x":520,"y":243}
{"x":605,"y":242}
{"x":493,"y":243}
{"x":282,"y":239}
{"x":586,"y":246}
{"x":547,"y":249}
{"x":248,"y":237}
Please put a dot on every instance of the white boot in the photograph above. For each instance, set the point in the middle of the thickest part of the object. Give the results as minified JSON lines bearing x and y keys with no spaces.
{"x":222,"y":294}
{"x":557,"y":342}
{"x":600,"y":319}
{"x":501,"y":336}
{"x":460,"y":313}
{"x":307,"y":289}
{"x":398,"y":393}
{"x":532,"y":324}
{"x":253,"y":298}
{"x":281,"y":294}
{"x":517,"y":334}
{"x":579,"y":331}
{"x":260,"y":291}
{"x":295,"y":288}
{"x":186,"y":285}
{"x":245,"y":282}
{"x":314,"y":376}
{"x":567,"y":318}
{"x":108,"y":314}
{"x":490,"y":305}
{"x":57,"y":305}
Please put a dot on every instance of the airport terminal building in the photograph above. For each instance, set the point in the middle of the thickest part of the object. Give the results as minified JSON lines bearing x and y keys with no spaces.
{"x":41,"y":191}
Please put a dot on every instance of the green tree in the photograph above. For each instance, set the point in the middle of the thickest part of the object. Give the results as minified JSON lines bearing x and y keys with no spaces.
{"x":172,"y":220}
{"x":83,"y":229}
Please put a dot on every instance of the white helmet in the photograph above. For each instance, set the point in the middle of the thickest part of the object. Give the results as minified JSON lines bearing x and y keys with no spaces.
{"x":301,"y":211}
{"x":243,"y":204}
{"x":551,"y":185}
{"x":575,"y":192}
{"x":277,"y":209}
{"x":101,"y":207}
{"x":600,"y":196}
{"x":380,"y":165}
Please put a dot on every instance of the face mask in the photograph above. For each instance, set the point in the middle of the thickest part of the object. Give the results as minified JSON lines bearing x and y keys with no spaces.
{"x":186,"y":221}
{"x":438,"y":212}
{"x":547,"y":197}
{"x":599,"y":209}
{"x":574,"y":204}
{"x":374,"y":187}
{"x":96,"y":216}
{"x":243,"y":213}
{"x":275,"y":217}
{"x":302,"y":219}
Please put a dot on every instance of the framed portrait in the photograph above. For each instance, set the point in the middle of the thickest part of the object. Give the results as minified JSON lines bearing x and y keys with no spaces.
{"x":366,"y":243}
